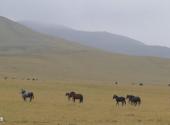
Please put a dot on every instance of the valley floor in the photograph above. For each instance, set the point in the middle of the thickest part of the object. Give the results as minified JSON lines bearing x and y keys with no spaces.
{"x":51,"y":107}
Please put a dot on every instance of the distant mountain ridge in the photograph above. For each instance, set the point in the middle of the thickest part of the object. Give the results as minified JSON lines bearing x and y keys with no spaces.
{"x":18,"y":39}
{"x":102,"y":40}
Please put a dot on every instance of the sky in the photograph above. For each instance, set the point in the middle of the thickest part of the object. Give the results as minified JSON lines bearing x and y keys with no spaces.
{"x":144,"y":20}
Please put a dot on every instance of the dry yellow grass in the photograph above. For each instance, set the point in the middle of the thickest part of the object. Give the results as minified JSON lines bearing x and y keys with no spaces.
{"x":51,"y":106}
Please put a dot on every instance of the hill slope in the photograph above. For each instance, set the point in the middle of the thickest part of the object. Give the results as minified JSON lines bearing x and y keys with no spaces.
{"x":25,"y":53}
{"x":103,"y":40}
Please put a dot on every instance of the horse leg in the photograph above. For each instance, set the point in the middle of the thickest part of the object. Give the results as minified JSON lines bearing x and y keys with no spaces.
{"x":123,"y":103}
{"x":81,"y":99}
{"x":32,"y":96}
{"x":30,"y":99}
{"x":129,"y":101}
{"x":117,"y":104}
{"x":132,"y":103}
{"x":74,"y":99}
{"x":138,"y":103}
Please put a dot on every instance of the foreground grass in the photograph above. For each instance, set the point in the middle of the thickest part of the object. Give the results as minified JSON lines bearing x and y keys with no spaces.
{"x":51,"y":107}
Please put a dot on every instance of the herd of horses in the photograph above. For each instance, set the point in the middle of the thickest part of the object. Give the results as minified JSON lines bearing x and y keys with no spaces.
{"x":133,"y":100}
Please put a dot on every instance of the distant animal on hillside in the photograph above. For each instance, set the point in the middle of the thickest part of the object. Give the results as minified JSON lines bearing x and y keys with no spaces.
{"x":134,"y":100}
{"x":5,"y":78}
{"x":140,"y":84}
{"x":119,"y":99}
{"x":70,"y":94}
{"x":116,"y":83}
{"x":25,"y":94}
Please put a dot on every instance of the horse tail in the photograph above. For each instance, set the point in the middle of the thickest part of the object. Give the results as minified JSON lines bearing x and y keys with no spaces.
{"x":81,"y":100}
{"x":139,"y":101}
{"x":32,"y":95}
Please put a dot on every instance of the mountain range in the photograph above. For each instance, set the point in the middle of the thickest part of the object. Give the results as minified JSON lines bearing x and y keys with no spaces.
{"x":103,"y":40}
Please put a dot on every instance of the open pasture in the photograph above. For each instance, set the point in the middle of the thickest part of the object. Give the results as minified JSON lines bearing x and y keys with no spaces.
{"x":51,"y":106}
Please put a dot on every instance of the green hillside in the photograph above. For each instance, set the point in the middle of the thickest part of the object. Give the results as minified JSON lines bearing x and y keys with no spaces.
{"x":26,"y":54}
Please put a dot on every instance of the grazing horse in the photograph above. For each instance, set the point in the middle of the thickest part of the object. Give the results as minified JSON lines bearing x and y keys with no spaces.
{"x":26,"y":95}
{"x":77,"y":96}
{"x":119,"y":99}
{"x":134,"y":100}
{"x":70,"y":94}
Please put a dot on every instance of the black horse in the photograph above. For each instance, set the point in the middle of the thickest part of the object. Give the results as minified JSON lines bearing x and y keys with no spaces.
{"x":70,"y":94}
{"x":77,"y":96}
{"x":119,"y":99}
{"x":134,"y":100}
{"x":26,"y":95}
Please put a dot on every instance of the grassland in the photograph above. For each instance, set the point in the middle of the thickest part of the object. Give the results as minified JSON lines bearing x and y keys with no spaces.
{"x":51,"y":106}
{"x":27,"y":54}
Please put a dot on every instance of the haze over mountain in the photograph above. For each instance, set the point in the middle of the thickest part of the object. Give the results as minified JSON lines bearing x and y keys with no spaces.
{"x":25,"y":53}
{"x":102,"y":40}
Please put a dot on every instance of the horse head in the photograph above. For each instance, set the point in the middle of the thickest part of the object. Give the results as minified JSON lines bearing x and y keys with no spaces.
{"x":115,"y":96}
{"x":67,"y":94}
{"x":23,"y":91}
{"x":127,"y":96}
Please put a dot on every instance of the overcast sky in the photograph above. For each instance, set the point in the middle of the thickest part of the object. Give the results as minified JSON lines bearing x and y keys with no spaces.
{"x":144,"y":20}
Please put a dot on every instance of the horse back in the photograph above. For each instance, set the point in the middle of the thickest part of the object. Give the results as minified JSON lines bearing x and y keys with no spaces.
{"x":78,"y":96}
{"x":121,"y":98}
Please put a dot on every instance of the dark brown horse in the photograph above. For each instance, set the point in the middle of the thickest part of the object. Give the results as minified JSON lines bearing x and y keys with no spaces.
{"x":119,"y":99}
